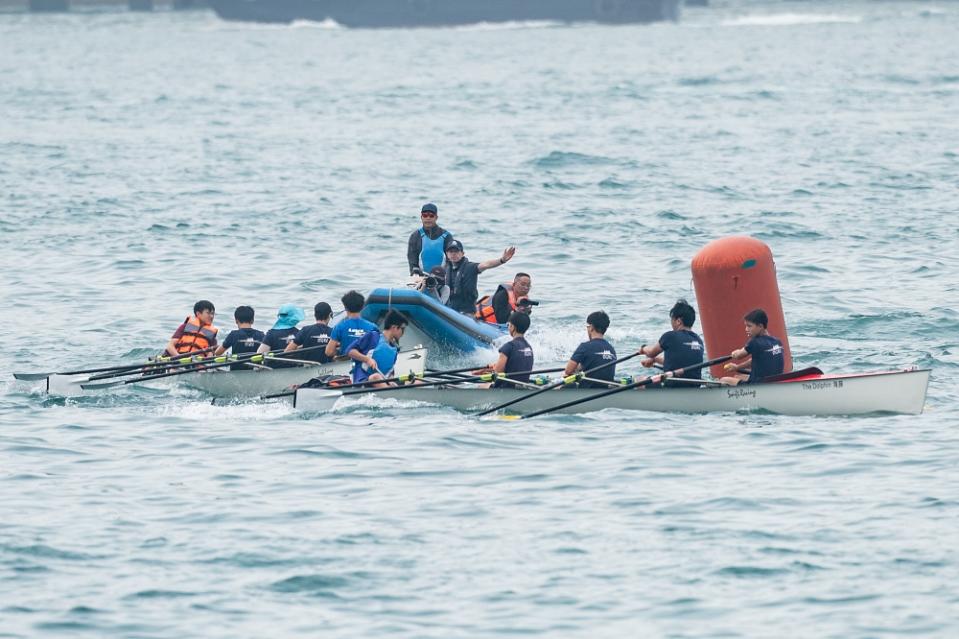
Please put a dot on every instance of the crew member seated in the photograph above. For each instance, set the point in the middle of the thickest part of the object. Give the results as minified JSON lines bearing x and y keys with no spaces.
{"x":509,"y":297}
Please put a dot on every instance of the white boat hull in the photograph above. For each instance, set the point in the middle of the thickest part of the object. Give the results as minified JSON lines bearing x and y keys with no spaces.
{"x":884,"y":392}
{"x":227,"y":384}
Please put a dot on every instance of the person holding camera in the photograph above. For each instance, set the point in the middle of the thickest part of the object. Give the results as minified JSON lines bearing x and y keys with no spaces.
{"x":509,"y":297}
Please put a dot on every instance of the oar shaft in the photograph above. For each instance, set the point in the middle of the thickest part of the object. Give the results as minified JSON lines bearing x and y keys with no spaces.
{"x":643,"y":382}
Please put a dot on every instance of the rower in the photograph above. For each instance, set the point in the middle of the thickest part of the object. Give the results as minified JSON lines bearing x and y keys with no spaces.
{"x":196,"y":333}
{"x":594,"y":352}
{"x":375,"y":352}
{"x":508,"y":298}
{"x":765,"y":350}
{"x":282,"y":334}
{"x":245,"y":340}
{"x":315,"y":336}
{"x":515,"y":356}
{"x":427,"y":245}
{"x":462,"y":276}
{"x":351,"y":328}
{"x":679,"y":347}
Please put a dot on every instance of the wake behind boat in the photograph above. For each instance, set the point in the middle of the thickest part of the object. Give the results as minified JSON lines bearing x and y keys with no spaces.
{"x":439,"y":13}
{"x":819,"y":395}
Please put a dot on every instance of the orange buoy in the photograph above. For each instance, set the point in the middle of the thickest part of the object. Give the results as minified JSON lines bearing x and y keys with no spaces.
{"x":732,"y":276}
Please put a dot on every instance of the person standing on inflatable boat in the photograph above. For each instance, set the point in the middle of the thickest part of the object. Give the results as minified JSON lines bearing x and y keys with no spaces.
{"x":427,"y":246}
{"x":462,"y":276}
{"x":765,"y":351}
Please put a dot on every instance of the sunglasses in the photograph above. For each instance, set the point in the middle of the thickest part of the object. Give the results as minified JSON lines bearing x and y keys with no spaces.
{"x":427,"y":214}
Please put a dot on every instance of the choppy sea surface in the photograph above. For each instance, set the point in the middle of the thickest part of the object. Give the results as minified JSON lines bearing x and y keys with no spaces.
{"x":147,"y":161}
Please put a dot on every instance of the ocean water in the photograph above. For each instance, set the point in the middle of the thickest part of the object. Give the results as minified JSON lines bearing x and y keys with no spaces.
{"x":147,"y":161}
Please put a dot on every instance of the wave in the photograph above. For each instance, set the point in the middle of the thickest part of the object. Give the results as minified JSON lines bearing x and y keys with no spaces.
{"x":790,"y":19}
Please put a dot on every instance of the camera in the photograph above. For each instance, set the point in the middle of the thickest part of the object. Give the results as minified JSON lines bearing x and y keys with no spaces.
{"x":527,"y":303}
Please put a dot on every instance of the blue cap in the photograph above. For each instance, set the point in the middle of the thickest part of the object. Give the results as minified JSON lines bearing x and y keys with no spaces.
{"x":289,"y":316}
{"x":429,"y":208}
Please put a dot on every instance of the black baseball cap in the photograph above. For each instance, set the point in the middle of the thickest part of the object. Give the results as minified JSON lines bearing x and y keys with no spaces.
{"x":455,"y":245}
{"x":429,"y":208}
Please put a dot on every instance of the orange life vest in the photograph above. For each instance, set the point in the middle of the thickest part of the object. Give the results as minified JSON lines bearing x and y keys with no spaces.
{"x":484,"y":308}
{"x":196,"y":336}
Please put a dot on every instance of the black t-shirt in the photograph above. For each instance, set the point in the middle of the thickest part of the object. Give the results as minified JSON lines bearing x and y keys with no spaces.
{"x":243,"y":341}
{"x":313,"y":335}
{"x":519,"y":359}
{"x":277,"y":339}
{"x":593,"y":353}
{"x":768,"y":357}
{"x":462,"y":279}
{"x":680,"y":349}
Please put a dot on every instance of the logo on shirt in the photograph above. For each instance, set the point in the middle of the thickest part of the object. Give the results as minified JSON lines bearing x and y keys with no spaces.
{"x":694,"y":345}
{"x":526,"y":352}
{"x":321,"y":339}
{"x":248,"y":342}
{"x":289,"y":338}
{"x":607,"y":354}
{"x":775,"y":350}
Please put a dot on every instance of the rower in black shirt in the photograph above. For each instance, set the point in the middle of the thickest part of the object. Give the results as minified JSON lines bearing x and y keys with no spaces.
{"x":594,"y":353}
{"x":679,"y":347}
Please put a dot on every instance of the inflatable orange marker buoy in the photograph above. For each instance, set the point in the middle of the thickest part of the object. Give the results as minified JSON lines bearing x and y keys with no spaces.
{"x":732,"y":276}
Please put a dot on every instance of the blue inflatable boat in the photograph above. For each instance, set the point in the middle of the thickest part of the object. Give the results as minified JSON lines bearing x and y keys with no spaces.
{"x":440,"y":329}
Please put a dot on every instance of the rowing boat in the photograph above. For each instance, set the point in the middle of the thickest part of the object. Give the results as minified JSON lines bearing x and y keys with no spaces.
{"x":880,"y":392}
{"x":225,"y":383}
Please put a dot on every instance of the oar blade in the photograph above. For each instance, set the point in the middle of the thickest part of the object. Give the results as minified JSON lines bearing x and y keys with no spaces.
{"x":316,"y":399}
{"x":31,"y":377}
{"x":102,"y":385}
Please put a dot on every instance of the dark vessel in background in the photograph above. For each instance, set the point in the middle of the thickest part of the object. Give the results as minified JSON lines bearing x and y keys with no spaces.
{"x":440,"y":13}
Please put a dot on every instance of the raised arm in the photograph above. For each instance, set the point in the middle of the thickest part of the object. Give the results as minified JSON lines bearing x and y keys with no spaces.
{"x":499,"y":261}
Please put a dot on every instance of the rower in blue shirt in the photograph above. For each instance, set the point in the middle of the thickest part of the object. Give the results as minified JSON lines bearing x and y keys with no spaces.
{"x":351,"y":328}
{"x":375,"y":353}
{"x":766,"y":354}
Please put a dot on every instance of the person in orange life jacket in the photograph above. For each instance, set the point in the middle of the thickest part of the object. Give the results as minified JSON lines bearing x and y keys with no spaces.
{"x":427,"y":245}
{"x":462,"y":276}
{"x":765,"y":352}
{"x":283,"y":333}
{"x":375,"y":353}
{"x":516,"y":356}
{"x":244,"y":340}
{"x":594,"y":352}
{"x":677,"y":348}
{"x":313,"y":336}
{"x":509,"y":297}
{"x":196,"y":333}
{"x":351,"y":328}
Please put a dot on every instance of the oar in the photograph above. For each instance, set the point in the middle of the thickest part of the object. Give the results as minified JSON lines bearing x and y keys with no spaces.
{"x":154,"y":362}
{"x":477,"y":379}
{"x":159,"y":367}
{"x":229,"y":361}
{"x":652,"y":379}
{"x":566,"y":380}
{"x":406,"y":378}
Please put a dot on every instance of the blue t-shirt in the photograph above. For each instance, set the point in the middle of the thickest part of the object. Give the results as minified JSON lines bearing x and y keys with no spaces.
{"x":243,"y":341}
{"x":376,"y":345}
{"x":519,"y":359}
{"x":680,"y":349}
{"x":768,"y":357}
{"x":349,"y":330}
{"x":593,"y":353}
{"x":315,"y":335}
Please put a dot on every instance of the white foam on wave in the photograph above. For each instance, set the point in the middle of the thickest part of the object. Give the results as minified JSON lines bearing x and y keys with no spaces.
{"x":508,"y":26}
{"x":205,"y":411}
{"x":224,"y":25}
{"x":790,"y":19}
